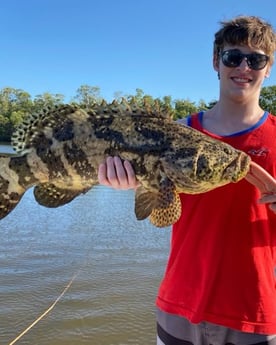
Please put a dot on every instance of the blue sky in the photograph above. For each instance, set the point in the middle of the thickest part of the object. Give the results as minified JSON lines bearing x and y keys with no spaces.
{"x":161,"y":47}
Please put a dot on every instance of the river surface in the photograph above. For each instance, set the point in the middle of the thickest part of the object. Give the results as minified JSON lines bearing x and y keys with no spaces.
{"x":110,"y":263}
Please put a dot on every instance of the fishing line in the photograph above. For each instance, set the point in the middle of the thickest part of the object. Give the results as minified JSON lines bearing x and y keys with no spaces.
{"x":46,"y":311}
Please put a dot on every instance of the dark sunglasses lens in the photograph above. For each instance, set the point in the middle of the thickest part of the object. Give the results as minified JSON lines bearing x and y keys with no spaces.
{"x":233,"y":58}
{"x":257,"y":61}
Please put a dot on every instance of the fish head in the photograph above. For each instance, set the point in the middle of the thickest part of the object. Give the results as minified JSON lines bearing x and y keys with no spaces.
{"x":237,"y":168}
{"x":204,"y":167}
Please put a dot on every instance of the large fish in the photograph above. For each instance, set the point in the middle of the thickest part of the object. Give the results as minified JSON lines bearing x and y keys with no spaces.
{"x":59,"y":151}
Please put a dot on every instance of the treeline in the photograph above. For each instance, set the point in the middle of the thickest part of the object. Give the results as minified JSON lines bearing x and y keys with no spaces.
{"x":16,"y":104}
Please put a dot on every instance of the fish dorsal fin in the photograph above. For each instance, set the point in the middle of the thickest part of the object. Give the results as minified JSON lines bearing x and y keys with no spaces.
{"x":60,"y":116}
{"x":49,"y":195}
{"x":36,"y":124}
{"x":131,"y":107}
{"x":163,"y":207}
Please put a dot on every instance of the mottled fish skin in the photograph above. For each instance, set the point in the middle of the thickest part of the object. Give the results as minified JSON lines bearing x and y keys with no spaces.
{"x":60,"y":149}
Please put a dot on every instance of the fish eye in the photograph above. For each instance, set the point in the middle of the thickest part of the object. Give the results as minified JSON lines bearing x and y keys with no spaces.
{"x":227,"y":150}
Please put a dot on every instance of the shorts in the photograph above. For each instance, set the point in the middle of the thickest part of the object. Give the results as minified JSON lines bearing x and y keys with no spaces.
{"x":176,"y":330}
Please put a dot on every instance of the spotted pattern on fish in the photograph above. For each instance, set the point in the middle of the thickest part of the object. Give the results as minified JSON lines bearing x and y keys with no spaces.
{"x":64,"y":133}
{"x":20,"y":167}
{"x":77,"y":158}
{"x":59,"y":151}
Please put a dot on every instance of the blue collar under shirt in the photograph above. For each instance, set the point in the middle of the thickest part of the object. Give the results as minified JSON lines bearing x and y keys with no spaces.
{"x":257,"y":124}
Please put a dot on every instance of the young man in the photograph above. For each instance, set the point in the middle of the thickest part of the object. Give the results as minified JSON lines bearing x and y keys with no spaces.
{"x":220,"y":283}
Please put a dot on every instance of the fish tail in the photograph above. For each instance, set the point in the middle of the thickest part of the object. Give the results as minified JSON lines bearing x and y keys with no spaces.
{"x":11,"y":191}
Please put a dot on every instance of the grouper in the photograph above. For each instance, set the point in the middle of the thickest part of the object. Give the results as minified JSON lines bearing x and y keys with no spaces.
{"x":59,"y":149}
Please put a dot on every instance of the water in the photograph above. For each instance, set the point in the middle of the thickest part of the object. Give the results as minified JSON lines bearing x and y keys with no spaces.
{"x":118,"y":261}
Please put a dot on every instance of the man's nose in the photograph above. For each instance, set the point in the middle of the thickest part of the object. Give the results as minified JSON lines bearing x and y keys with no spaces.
{"x":244,"y":64}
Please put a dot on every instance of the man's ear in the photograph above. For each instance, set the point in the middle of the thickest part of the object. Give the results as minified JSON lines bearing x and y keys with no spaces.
{"x":216,"y":62}
{"x":267,"y":73}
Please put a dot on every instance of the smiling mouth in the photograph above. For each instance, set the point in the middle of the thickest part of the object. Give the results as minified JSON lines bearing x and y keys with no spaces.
{"x":241,"y":80}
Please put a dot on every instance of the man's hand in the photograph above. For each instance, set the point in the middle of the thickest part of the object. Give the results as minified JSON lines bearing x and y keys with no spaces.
{"x":269,"y":199}
{"x":266,"y":184}
{"x":117,"y":174}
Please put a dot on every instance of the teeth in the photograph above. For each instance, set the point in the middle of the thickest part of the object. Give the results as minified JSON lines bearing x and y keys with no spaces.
{"x":241,"y":80}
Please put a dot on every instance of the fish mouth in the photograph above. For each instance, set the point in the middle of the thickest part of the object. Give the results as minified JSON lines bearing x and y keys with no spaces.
{"x":238,"y":168}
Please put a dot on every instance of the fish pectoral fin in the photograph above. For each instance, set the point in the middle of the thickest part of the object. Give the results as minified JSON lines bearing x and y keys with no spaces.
{"x":49,"y":195}
{"x":163,"y":207}
{"x":168,"y":210}
{"x":145,"y":201}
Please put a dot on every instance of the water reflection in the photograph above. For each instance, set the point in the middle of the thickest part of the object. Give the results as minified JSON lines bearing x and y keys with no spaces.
{"x":119,"y":262}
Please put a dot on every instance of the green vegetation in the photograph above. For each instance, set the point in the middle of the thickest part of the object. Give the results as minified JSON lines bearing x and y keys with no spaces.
{"x":16,"y":104}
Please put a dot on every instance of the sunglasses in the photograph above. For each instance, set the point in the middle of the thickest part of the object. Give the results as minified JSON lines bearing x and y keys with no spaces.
{"x":234,"y":57}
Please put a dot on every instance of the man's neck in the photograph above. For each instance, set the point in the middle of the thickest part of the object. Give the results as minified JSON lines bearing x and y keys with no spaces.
{"x":227,"y":117}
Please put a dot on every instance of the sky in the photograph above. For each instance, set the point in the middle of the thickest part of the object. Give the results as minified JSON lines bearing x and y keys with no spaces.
{"x":162,"y":47}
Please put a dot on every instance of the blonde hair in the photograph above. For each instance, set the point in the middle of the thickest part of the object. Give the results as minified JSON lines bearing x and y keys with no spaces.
{"x":246,"y":30}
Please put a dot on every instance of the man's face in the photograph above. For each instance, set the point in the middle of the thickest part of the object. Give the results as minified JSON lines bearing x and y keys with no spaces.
{"x":245,"y":76}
